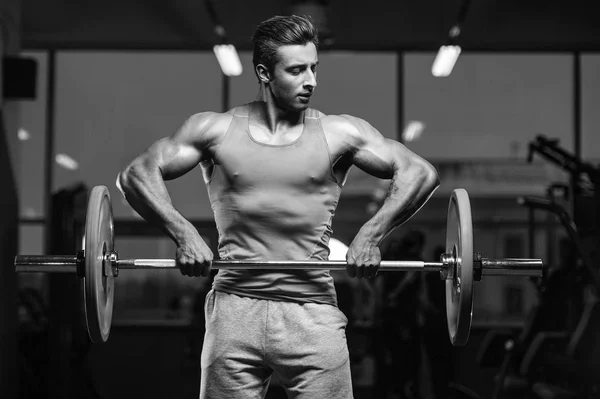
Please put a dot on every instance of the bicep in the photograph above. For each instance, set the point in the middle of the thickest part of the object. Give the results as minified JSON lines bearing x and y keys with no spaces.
{"x":380,"y":156}
{"x":174,"y":158}
{"x":383,"y":157}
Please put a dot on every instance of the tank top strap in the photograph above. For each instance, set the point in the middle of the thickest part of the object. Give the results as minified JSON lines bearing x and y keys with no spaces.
{"x":313,"y":127}
{"x":311,"y":113}
{"x":237,"y":132}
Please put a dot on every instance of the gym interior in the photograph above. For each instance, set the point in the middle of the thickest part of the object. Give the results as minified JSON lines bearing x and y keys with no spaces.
{"x":89,"y":85}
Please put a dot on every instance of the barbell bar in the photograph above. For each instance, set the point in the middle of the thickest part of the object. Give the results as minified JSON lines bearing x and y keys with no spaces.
{"x":98,"y":265}
{"x":71,"y":264}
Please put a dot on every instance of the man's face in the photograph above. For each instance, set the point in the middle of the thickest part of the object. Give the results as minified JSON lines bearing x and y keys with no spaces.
{"x":295,"y":76}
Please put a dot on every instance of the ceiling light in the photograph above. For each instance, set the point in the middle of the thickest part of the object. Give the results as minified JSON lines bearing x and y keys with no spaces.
{"x":228,"y":59}
{"x":413,"y":131}
{"x":66,"y":162}
{"x":445,"y":60}
{"x":23,"y":134}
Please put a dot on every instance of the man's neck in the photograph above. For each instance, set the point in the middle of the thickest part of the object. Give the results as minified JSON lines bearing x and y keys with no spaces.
{"x":276,"y":118}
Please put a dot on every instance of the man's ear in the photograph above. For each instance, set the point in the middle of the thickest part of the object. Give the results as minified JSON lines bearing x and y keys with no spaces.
{"x":263,"y":73}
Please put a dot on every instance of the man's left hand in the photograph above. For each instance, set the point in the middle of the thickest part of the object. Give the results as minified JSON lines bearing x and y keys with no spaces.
{"x":363,"y":258}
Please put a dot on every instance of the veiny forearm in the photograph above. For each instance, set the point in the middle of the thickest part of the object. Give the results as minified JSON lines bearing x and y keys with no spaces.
{"x":407,"y":193}
{"x":145,"y":190}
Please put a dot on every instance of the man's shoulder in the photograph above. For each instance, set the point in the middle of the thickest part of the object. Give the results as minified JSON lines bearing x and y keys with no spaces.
{"x":210,"y":125}
{"x":340,"y":124}
{"x":208,"y":119}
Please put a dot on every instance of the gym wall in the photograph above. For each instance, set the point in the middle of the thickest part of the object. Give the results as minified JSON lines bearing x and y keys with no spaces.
{"x":111,"y":105}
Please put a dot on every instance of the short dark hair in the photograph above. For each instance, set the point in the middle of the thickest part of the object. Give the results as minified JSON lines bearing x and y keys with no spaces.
{"x":280,"y":31}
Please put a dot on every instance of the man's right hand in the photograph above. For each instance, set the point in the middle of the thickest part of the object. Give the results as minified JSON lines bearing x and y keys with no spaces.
{"x":194,"y":257}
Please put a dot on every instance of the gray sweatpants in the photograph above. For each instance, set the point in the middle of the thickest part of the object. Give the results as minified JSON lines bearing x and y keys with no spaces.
{"x":248,"y":339}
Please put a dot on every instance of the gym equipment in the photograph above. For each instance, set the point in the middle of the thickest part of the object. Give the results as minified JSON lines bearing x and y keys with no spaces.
{"x":99,"y":264}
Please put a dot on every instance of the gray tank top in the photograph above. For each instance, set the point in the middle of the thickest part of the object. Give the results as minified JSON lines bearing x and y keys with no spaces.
{"x":274,"y":202}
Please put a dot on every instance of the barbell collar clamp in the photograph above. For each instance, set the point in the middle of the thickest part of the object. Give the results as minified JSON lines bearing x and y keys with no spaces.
{"x":80,"y":263}
{"x":448,"y":269}
{"x":111,"y":264}
{"x":477,"y":266}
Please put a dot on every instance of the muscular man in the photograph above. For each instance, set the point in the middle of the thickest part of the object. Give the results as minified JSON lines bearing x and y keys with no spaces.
{"x":274,"y":170}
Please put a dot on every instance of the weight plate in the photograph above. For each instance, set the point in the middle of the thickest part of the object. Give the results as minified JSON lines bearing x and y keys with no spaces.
{"x":459,"y":289}
{"x":99,"y":289}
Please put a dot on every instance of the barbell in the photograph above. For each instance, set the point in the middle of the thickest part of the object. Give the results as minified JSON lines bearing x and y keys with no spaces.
{"x":98,"y":265}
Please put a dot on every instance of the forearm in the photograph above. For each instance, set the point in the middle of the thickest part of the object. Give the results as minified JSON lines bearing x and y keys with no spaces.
{"x":144,"y":188}
{"x":407,"y":193}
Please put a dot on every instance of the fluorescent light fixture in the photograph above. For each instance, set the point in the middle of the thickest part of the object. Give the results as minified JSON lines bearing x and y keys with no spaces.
{"x":66,"y":162}
{"x":445,"y":60}
{"x":228,"y":58}
{"x":413,"y":131}
{"x":23,"y":134}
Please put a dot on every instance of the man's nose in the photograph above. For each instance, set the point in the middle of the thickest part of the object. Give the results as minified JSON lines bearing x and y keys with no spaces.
{"x":311,"y":80}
